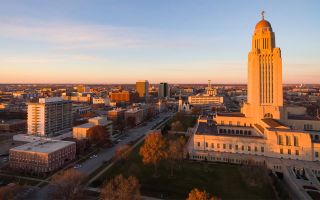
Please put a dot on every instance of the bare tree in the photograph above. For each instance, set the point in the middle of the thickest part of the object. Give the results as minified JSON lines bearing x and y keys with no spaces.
{"x":175,"y":152}
{"x":68,"y":185}
{"x":99,"y":135}
{"x":177,"y":126}
{"x":121,"y":188}
{"x":131,"y":121}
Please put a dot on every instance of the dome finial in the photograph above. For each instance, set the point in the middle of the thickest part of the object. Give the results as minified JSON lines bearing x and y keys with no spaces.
{"x":262,"y":14}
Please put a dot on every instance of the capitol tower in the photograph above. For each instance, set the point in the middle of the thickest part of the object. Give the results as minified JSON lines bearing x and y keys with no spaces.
{"x":265,"y":98}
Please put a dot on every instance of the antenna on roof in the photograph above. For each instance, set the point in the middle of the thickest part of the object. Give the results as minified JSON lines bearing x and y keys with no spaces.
{"x":262,"y":14}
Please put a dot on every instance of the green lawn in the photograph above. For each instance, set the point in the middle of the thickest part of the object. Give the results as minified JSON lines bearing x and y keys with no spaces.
{"x":222,"y":180}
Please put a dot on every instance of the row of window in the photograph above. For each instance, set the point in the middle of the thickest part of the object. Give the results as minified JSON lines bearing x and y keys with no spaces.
{"x":289,"y":152}
{"x":237,"y":132}
{"x":230,"y":146}
{"x":238,"y":124}
{"x":288,"y":140}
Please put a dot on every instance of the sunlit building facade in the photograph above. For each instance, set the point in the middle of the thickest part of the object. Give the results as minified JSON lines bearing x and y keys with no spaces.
{"x":262,"y":127}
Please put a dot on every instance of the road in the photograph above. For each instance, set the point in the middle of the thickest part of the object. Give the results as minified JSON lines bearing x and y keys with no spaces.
{"x":90,"y":165}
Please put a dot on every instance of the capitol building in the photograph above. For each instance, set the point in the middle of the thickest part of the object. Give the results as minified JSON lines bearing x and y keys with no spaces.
{"x":265,"y":129}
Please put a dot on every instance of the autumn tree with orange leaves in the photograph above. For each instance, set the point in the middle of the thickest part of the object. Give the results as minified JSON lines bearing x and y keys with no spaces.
{"x":122,"y":153}
{"x":197,"y":194}
{"x":153,"y":150}
{"x":121,"y":188}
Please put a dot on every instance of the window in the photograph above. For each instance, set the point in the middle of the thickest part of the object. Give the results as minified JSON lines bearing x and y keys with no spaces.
{"x":218,"y":145}
{"x":229,"y":131}
{"x":297,"y":152}
{"x":198,"y":144}
{"x":212,"y":145}
{"x":242,"y":148}
{"x":244,"y":124}
{"x":262,"y":149}
{"x":316,"y":154}
{"x":206,"y":144}
{"x":236,"y":147}
{"x":249,"y":148}
{"x":255,"y":149}
{"x":280,"y":140}
{"x":289,"y":151}
{"x":308,"y":127}
{"x":224,"y":146}
{"x":281,"y":151}
{"x":288,"y":142}
{"x":295,"y":141}
{"x":230,"y":146}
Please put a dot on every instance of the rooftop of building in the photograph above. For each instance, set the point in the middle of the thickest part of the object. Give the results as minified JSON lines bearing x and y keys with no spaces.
{"x":86,"y":125}
{"x":233,"y":114}
{"x":210,"y":128}
{"x":13,"y":121}
{"x":302,"y":117}
{"x":273,"y":123}
{"x":43,"y":146}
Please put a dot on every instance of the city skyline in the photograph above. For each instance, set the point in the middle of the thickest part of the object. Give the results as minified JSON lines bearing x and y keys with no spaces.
{"x":177,"y":42}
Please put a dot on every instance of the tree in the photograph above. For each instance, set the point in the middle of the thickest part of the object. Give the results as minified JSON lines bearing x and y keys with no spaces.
{"x":131,"y":121}
{"x":8,"y":192}
{"x":121,"y":125}
{"x":197,"y":194}
{"x":175,"y":152}
{"x":153,"y":150}
{"x":98,"y":135}
{"x":123,"y":152}
{"x":68,"y":185}
{"x":177,"y":126}
{"x":196,"y":111}
{"x":121,"y":188}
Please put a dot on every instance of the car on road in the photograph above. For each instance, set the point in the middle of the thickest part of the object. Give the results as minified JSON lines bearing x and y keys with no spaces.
{"x":77,"y":166}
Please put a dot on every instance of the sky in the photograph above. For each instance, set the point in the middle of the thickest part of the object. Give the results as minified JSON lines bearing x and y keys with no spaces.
{"x":175,"y":41}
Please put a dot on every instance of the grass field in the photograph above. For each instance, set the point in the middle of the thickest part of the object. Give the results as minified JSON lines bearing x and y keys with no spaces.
{"x":221,"y":180}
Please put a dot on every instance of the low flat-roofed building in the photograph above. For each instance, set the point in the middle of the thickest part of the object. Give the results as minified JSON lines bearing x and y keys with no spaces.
{"x":81,"y":131}
{"x":137,"y":114}
{"x":42,"y":156}
{"x":116,"y":114}
{"x":104,"y":101}
{"x":205,"y":100}
{"x":13,"y":125}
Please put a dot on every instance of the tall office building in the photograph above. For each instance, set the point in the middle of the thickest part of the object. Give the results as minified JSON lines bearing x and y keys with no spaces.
{"x":142,"y":88}
{"x":163,"y":90}
{"x":50,"y":116}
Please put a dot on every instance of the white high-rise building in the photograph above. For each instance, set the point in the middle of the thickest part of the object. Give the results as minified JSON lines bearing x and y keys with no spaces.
{"x":50,"y":116}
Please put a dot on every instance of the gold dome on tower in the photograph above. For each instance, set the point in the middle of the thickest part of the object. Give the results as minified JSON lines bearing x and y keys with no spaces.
{"x":263,"y":24}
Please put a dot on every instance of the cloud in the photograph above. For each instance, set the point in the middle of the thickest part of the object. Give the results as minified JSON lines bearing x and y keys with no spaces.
{"x":69,"y":35}
{"x":81,"y":36}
